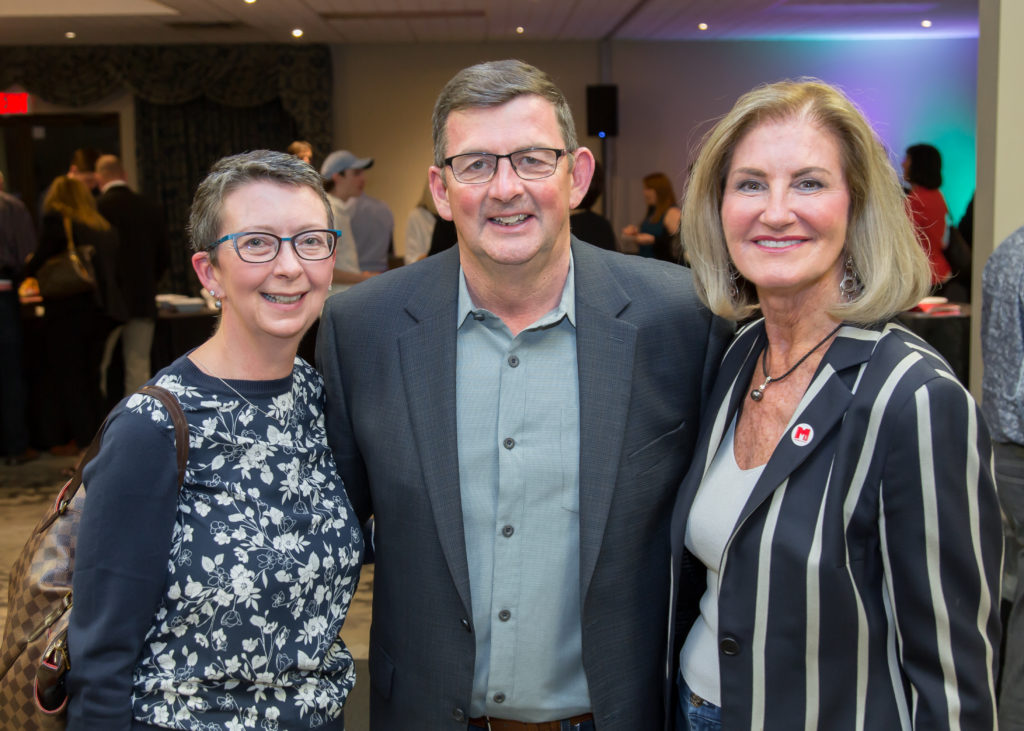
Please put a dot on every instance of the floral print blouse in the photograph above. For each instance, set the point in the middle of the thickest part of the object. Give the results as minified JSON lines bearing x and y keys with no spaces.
{"x":262,"y":559}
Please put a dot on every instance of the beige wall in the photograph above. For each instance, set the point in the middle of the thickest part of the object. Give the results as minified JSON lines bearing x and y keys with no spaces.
{"x":998,"y":210}
{"x":668,"y":94}
{"x":384,"y":96}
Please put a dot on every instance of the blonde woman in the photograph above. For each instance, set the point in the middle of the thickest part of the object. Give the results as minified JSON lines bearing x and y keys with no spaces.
{"x":836,"y":544}
{"x":76,"y":326}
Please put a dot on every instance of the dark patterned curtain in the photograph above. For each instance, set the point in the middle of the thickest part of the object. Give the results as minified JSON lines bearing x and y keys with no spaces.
{"x":177,"y":143}
{"x":194,"y":104}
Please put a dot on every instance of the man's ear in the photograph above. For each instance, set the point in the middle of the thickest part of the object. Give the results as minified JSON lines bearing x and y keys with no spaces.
{"x":582,"y":172}
{"x":435,"y":178}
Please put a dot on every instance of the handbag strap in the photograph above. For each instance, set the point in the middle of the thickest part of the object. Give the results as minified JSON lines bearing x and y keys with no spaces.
{"x":69,"y":236}
{"x":170,"y":402}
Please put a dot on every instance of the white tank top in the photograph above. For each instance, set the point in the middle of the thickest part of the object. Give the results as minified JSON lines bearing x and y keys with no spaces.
{"x":713,"y":516}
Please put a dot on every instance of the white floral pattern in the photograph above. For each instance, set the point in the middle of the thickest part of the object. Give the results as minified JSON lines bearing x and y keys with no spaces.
{"x":264,"y":562}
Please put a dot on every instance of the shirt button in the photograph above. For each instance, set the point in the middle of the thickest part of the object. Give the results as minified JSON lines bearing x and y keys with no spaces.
{"x":729,"y":646}
{"x":507,"y":531}
{"x":499,"y":697}
{"x":465,"y":624}
{"x":513,"y":360}
{"x":478,"y":316}
{"x":509,"y":442}
{"x":459,"y":715}
{"x":504,"y":615}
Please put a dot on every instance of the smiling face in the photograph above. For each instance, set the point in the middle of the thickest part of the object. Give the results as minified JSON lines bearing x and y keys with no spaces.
{"x":785,"y":208}
{"x":265,"y":303}
{"x":509,"y":221}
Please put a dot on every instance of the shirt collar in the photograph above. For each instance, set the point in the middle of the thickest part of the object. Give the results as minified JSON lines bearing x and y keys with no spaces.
{"x":113,"y":184}
{"x":566,"y":306}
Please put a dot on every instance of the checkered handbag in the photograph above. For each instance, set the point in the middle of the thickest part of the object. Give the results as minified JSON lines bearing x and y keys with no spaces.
{"x":34,"y":655}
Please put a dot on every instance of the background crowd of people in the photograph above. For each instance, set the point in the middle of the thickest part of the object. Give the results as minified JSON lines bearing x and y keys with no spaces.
{"x":711,"y":485}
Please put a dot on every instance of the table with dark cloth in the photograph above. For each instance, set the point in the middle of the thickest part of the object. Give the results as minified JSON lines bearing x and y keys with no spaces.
{"x":176,"y":333}
{"x":950,"y":334}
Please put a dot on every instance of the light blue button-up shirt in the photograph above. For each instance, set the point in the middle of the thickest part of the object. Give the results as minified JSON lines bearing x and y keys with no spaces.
{"x":519,"y":445}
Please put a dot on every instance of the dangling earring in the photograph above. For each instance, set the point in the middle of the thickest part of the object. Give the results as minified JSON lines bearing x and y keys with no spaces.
{"x":734,"y":290}
{"x":850,"y":285}
{"x":216,"y":304}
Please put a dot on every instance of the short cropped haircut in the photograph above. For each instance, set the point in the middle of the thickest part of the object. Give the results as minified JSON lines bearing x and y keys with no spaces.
{"x":230,"y":173}
{"x":880,"y":240}
{"x":492,"y":84}
{"x":925,"y":168}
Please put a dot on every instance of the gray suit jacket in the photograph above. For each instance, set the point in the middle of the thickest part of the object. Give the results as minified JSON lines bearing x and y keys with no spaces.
{"x":647,"y":353}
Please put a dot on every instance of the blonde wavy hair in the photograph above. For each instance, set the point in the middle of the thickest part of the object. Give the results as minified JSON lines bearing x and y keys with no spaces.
{"x":890,"y":263}
{"x":72,"y":198}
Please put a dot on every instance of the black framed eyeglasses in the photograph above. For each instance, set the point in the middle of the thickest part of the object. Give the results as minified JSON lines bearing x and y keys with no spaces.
{"x":533,"y":163}
{"x":259,"y":247}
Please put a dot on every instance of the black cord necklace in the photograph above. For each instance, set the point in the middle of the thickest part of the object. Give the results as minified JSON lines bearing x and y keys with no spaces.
{"x":758,"y":393}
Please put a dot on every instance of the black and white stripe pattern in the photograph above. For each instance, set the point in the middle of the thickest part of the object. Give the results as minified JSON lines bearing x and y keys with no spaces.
{"x":861,"y":581}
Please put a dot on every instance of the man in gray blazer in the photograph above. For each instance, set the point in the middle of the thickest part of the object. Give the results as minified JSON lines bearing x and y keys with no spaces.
{"x":516,"y":413}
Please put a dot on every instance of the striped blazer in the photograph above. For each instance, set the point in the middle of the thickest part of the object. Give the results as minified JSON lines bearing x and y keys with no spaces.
{"x":860,"y":586}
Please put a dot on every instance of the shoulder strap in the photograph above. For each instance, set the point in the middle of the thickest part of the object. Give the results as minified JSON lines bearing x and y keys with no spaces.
{"x":68,"y":234}
{"x":170,"y":402}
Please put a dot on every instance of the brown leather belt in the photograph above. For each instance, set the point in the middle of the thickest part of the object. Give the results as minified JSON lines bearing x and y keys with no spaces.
{"x":501,"y":724}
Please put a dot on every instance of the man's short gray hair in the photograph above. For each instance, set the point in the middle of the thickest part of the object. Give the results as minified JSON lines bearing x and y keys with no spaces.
{"x":232,"y":172}
{"x":492,"y":84}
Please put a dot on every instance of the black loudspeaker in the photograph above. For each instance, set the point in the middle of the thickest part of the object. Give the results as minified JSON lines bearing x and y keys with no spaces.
{"x":603,"y":110}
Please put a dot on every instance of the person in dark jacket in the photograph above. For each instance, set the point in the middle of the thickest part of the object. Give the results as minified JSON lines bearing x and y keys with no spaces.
{"x":589,"y":226}
{"x":142,"y":257}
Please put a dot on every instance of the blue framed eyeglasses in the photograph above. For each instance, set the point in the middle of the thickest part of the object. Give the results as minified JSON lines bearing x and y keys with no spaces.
{"x":259,"y":247}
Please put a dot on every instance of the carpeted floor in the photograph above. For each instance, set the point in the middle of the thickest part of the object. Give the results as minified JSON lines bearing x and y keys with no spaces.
{"x":27,"y":490}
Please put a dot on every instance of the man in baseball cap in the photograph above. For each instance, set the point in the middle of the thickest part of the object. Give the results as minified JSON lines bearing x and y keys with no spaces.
{"x":371,"y":220}
{"x":342,"y":173}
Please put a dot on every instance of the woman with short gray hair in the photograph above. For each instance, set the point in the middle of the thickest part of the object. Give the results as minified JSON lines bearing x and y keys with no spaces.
{"x":219,"y":605}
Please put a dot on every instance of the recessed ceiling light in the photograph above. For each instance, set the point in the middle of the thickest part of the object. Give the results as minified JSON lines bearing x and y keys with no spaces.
{"x":926,"y":24}
{"x":702,"y":26}
{"x":250,"y":2}
{"x":520,"y":29}
{"x":297,"y":32}
{"x":70,"y":35}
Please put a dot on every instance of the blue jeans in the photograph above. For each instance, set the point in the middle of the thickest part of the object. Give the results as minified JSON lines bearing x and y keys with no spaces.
{"x":693,"y":713}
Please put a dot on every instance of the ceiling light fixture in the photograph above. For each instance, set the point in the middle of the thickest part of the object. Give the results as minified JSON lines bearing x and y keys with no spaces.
{"x":297,"y":32}
{"x":926,"y":24}
{"x":70,"y":35}
{"x":702,"y":26}
{"x":249,"y":2}
{"x":520,"y":29}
